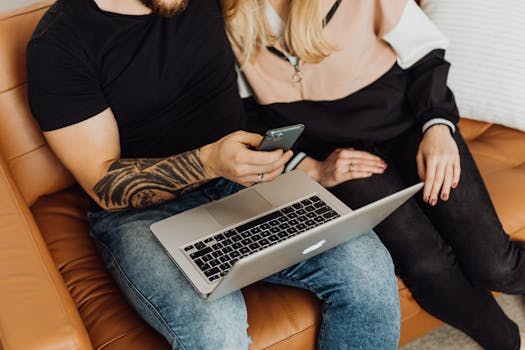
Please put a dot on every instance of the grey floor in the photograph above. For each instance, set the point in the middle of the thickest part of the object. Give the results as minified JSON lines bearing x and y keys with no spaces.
{"x":448,"y":338}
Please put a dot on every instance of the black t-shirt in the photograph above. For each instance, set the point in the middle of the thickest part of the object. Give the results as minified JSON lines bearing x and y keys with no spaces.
{"x":170,"y":83}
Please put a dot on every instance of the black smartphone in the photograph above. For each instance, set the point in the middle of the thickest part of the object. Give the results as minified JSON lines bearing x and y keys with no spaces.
{"x":280,"y":138}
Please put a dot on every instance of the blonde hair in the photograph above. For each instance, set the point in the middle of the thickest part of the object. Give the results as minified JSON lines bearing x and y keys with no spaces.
{"x":248,"y":28}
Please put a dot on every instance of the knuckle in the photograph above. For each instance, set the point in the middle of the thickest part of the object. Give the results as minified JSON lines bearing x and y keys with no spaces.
{"x":265,"y":159}
{"x":275,"y":162}
{"x":237,"y":158}
{"x":237,"y":171}
{"x":276,"y":172}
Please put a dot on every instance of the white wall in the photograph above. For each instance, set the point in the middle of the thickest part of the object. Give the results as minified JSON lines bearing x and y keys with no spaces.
{"x":6,"y":5}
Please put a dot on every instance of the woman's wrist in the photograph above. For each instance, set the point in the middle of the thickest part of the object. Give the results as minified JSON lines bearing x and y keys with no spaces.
{"x":437,"y":129}
{"x":311,"y":167}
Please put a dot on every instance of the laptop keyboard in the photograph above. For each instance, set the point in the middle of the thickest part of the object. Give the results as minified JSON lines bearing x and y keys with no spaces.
{"x":214,"y":255}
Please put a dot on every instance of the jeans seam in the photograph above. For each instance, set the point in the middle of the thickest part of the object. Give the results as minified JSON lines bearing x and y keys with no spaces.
{"x":142,"y":297}
{"x":293,"y":336}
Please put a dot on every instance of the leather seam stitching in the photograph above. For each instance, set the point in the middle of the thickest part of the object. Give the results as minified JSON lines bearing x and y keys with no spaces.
{"x":502,"y":160}
{"x":13,"y":88}
{"x":291,"y":336}
{"x":24,"y":13}
{"x":103,"y":346}
{"x":26,"y":153}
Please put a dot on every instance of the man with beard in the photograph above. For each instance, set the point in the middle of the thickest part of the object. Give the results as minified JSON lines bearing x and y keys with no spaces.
{"x":138,"y":98}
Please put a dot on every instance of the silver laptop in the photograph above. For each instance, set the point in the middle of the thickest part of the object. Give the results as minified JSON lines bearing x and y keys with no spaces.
{"x":230,"y":243}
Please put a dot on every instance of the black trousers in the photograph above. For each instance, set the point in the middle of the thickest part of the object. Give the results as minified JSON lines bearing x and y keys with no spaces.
{"x":452,"y":255}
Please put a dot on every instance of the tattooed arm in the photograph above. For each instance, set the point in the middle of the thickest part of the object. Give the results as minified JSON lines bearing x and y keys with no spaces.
{"x":91,"y":151}
{"x":140,"y":183}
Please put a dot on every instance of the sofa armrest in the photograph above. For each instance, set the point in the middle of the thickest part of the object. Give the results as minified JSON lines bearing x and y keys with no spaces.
{"x":36,"y":309}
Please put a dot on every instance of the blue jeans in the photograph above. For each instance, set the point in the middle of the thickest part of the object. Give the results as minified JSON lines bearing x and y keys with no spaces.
{"x":355,"y":281}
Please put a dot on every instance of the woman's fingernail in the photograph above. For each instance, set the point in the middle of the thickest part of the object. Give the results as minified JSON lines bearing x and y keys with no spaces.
{"x":425,"y":199}
{"x":454,"y":184}
{"x":433,"y":202}
{"x":444,"y":196}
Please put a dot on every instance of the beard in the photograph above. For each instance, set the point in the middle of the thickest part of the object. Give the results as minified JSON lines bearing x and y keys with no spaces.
{"x":166,"y":8}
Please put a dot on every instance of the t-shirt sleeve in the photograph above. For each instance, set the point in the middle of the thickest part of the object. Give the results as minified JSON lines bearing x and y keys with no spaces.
{"x":63,"y":89}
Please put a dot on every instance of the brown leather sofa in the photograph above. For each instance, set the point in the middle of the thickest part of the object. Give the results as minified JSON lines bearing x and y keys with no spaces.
{"x":54,"y":291}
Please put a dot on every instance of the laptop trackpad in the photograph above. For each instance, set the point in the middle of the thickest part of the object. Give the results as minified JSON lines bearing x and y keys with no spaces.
{"x":239,"y":207}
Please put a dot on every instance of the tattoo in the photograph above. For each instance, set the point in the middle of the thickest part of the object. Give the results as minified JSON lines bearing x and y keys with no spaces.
{"x":142,"y":183}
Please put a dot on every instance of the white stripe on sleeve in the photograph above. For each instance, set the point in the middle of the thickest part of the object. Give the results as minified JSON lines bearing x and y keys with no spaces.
{"x":294,"y":162}
{"x":435,"y":121}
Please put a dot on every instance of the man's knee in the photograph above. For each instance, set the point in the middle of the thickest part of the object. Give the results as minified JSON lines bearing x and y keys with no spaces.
{"x":221,"y":324}
{"x":367,"y":276}
{"x":368,"y":249}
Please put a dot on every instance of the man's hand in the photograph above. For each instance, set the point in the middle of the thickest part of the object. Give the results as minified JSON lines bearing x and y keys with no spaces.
{"x":342,"y":165}
{"x":232,"y":158}
{"x":438,"y":163}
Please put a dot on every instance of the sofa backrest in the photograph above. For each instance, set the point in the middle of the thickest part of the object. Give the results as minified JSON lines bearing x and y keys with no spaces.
{"x":33,"y":166}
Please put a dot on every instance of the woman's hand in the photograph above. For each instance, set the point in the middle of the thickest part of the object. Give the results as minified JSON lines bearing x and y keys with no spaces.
{"x":342,"y":165}
{"x":438,"y":163}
